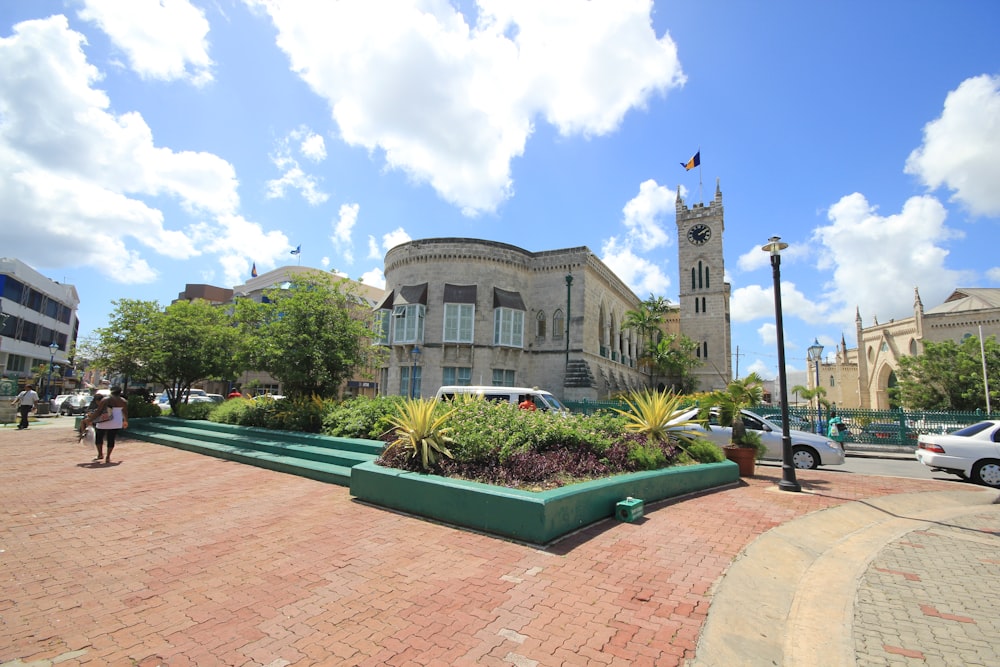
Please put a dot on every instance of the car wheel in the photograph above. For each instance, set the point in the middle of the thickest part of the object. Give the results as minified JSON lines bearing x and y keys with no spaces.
{"x":804,"y":458}
{"x":987,"y":473}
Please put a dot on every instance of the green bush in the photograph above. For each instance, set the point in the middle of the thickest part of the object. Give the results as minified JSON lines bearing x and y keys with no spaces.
{"x":362,"y":417}
{"x":139,"y":407}
{"x":702,"y":451}
{"x":200,"y":410}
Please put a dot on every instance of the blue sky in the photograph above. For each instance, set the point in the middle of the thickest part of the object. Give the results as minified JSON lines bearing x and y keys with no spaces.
{"x":146,"y":144}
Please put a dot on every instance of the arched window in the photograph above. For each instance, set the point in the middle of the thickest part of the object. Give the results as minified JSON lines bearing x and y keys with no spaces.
{"x":540,"y":322}
{"x":558,"y":324}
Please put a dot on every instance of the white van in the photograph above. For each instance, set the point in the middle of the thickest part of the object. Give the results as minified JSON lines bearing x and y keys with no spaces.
{"x":543,"y":399}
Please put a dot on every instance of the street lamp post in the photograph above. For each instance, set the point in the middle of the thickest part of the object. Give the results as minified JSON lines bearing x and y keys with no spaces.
{"x":787,"y":483}
{"x":815,"y":352}
{"x":414,"y":355}
{"x":569,"y":284}
{"x":52,"y":359}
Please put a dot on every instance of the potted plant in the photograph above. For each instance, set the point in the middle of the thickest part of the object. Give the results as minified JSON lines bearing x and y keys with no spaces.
{"x":745,"y":447}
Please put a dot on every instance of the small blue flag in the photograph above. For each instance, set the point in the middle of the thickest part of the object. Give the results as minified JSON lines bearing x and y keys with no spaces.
{"x":297,"y":250}
{"x":253,"y":271}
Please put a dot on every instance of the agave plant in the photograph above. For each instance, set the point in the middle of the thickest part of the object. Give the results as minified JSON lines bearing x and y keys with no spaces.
{"x":660,"y":415}
{"x":422,"y":433}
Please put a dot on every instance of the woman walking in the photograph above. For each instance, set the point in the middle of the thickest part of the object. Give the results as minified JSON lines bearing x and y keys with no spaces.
{"x":109,"y":427}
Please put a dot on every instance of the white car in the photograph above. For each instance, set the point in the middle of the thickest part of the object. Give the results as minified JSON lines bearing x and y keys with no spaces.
{"x":809,"y":450}
{"x":972,"y":452}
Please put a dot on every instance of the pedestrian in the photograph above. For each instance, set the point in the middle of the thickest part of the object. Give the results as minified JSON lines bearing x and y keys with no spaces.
{"x":109,"y":427}
{"x":527,"y":404}
{"x":235,"y":393}
{"x":836,"y":429}
{"x":25,"y":402}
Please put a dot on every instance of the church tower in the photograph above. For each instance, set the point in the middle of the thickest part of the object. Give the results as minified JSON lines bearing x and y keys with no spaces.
{"x":704,"y":294}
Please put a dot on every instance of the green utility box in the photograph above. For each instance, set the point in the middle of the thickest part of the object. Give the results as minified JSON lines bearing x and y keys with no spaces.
{"x":629,"y":509}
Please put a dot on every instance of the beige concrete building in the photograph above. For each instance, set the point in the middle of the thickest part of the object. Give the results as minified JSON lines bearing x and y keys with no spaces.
{"x":468,"y":311}
{"x":860,"y":377}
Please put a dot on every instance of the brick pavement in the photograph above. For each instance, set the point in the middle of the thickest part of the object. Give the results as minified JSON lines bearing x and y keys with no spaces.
{"x":929,"y":597}
{"x":168,"y":557}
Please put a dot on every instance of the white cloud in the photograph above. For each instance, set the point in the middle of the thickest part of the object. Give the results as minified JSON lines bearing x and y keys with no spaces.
{"x":394,"y":238}
{"x":768,"y":333}
{"x":292,"y":174}
{"x":162,"y":39}
{"x":374,"y":252}
{"x":235,"y":239}
{"x":641,"y":275}
{"x":755,"y":258}
{"x":961,"y":148}
{"x":763,"y":370}
{"x":375,"y":277}
{"x":452,"y":104}
{"x":342,"y":229}
{"x":642,"y":217}
{"x":78,"y":171}
{"x":994,"y":274}
{"x":644,"y":213}
{"x":313,"y":147}
{"x":755,"y":302}
{"x":873,"y":257}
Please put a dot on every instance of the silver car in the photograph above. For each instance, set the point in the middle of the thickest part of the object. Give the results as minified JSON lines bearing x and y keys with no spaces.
{"x":809,"y":450}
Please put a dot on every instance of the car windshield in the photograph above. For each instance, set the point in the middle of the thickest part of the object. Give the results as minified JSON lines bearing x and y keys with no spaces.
{"x":972,"y":430}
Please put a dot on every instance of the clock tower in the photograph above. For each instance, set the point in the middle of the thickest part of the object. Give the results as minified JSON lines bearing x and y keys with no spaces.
{"x":704,"y":293}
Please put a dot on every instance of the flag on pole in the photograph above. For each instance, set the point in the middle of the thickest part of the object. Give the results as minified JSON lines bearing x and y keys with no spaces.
{"x":297,"y":250}
{"x":253,"y":271}
{"x":695,"y":161}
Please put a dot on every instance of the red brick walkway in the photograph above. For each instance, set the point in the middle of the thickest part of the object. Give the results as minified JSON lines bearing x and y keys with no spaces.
{"x":172,"y":558}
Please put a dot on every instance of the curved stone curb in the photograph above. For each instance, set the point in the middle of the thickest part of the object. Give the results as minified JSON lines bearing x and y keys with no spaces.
{"x":788,"y":599}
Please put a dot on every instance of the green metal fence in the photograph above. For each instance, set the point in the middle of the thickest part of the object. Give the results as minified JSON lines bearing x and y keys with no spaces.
{"x":865,"y":428}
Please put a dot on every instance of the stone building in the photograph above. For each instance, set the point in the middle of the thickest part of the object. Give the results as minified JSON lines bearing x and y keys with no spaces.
{"x":704,"y":293}
{"x":469,"y":311}
{"x":860,"y":377}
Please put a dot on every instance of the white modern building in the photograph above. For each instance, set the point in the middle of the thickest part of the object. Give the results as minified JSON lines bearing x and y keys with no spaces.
{"x":38,"y":325}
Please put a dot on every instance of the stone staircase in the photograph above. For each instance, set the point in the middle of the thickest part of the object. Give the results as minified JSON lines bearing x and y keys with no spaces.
{"x":319,"y":457}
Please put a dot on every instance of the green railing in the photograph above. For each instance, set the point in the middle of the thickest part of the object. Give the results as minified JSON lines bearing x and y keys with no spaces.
{"x":896,"y":428}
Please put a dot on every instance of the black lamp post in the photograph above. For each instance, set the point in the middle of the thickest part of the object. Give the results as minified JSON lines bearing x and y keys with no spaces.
{"x":414,"y":355}
{"x":569,"y":284}
{"x":815,"y":352}
{"x":52,"y":359}
{"x":787,"y":483}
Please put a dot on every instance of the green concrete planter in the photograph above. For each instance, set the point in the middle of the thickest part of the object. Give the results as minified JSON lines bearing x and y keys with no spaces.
{"x":536,"y":518}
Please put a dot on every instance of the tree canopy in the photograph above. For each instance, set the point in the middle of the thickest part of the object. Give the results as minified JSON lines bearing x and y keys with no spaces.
{"x":949,"y":376}
{"x":185,"y":343}
{"x":312,"y":334}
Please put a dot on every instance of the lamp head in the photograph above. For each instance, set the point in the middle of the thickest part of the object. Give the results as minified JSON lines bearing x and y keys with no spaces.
{"x":815,"y":351}
{"x":774,"y":246}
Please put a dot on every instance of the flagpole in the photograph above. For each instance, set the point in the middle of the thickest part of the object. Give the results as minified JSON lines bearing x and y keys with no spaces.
{"x":700,"y":197}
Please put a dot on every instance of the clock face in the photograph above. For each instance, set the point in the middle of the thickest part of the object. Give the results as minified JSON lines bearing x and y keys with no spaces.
{"x":699,"y":234}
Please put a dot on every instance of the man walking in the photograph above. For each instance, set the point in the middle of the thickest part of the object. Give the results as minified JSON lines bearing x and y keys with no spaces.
{"x":25,"y":403}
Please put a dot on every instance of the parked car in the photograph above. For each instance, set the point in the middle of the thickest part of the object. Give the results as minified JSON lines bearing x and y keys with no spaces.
{"x":57,"y":401}
{"x":809,"y":450}
{"x":971,"y":453}
{"x":164,"y":402}
{"x":887,"y":431}
{"x":542,"y":399}
{"x":794,"y":422}
{"x":76,"y":404}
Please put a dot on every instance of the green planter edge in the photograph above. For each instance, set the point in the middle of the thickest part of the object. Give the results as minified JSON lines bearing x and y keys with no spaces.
{"x":532,"y":517}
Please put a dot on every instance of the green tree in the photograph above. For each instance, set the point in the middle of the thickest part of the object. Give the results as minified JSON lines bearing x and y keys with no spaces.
{"x":188,"y":342}
{"x":312,"y":335}
{"x":817,"y":393}
{"x":674,"y":358}
{"x":949,"y":376}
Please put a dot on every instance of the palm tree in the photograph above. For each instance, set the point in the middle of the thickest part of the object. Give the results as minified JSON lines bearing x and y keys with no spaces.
{"x":819,"y":393}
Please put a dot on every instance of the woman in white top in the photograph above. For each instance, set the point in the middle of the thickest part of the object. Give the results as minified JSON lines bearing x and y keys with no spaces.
{"x":118,"y":421}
